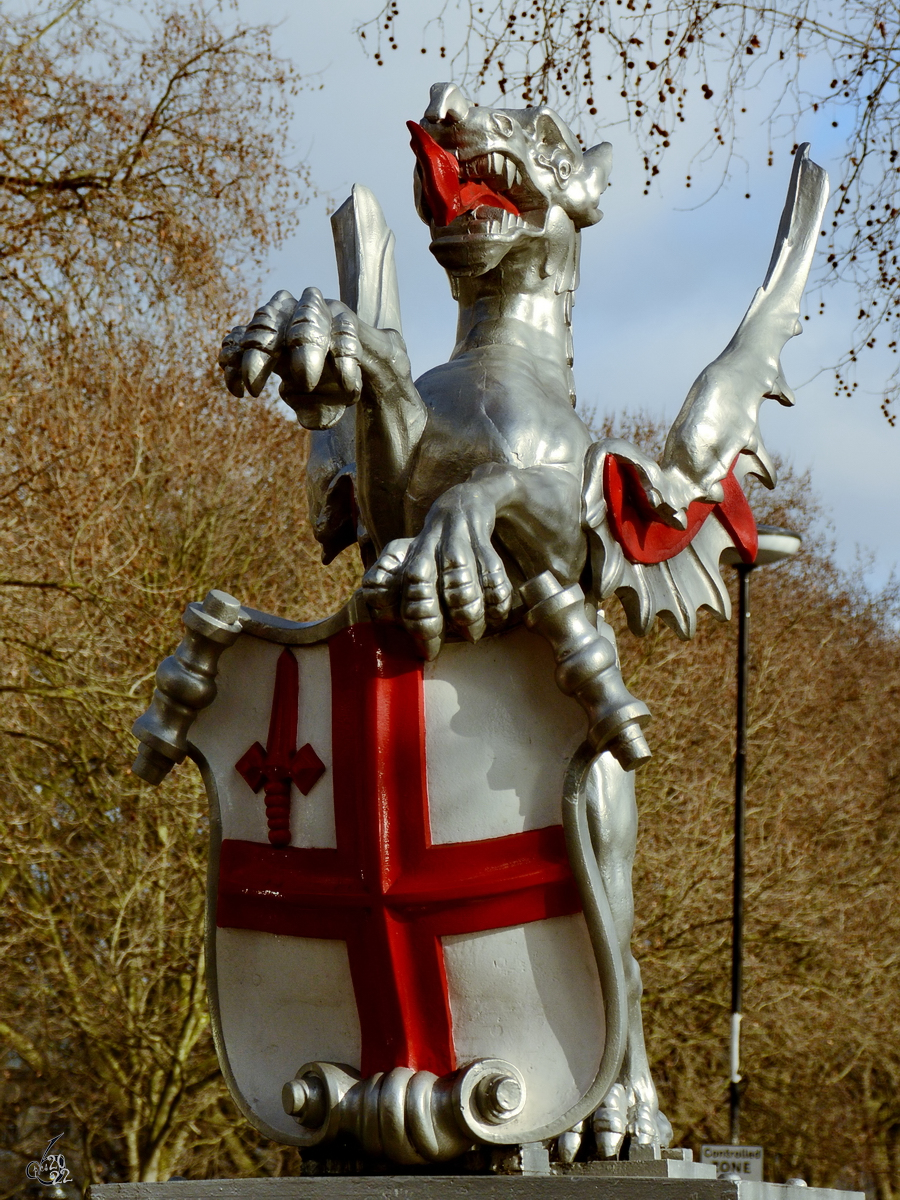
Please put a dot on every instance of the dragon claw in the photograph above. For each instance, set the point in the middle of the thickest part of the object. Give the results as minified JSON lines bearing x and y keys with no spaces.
{"x":621,"y":1114}
{"x":256,"y":368}
{"x":569,"y":1143}
{"x":610,"y":1122}
{"x":643,"y":1126}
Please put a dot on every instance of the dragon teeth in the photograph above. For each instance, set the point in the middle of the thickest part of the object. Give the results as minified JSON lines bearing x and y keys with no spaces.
{"x":494,"y":168}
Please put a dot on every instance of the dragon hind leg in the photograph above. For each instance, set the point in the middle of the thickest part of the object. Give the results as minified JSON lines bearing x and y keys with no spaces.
{"x":630,"y":1108}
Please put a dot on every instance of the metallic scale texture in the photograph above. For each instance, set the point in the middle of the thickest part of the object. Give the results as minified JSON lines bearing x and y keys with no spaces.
{"x":480,"y":503}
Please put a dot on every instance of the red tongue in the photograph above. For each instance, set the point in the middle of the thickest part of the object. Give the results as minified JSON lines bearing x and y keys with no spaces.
{"x":445,"y":195}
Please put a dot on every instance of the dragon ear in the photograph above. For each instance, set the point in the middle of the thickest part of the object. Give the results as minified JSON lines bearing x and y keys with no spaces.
{"x":588,"y":184}
{"x":598,"y":164}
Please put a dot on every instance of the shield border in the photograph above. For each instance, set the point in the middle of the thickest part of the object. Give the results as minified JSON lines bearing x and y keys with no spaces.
{"x":595,"y":905}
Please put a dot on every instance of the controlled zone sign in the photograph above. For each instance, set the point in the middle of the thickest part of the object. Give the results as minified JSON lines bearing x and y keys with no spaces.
{"x":746,"y":1161}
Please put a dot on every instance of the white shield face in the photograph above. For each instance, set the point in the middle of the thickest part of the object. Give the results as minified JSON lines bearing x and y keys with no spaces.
{"x":422,"y":912}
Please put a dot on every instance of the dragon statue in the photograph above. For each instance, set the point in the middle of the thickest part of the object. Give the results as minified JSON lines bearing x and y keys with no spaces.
{"x":478,"y":497}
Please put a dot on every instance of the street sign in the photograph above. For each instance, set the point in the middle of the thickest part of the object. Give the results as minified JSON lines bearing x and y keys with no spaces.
{"x":746,"y":1161}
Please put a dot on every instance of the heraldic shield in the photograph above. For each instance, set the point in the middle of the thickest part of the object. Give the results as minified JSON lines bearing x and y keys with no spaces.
{"x":391,"y":897}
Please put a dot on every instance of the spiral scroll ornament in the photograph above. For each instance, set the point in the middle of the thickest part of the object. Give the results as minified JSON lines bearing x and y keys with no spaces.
{"x":410,"y":1117}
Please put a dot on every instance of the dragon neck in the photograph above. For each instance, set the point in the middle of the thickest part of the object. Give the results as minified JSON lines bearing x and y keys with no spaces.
{"x":525,"y":301}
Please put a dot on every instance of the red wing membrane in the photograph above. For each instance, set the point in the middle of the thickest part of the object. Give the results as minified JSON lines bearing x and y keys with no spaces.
{"x":646,"y":539}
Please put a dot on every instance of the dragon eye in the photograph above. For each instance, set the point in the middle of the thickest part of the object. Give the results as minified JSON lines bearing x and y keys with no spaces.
{"x":502,"y":124}
{"x":564,"y":168}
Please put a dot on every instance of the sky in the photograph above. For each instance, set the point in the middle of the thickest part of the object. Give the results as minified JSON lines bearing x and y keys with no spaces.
{"x":664,"y":283}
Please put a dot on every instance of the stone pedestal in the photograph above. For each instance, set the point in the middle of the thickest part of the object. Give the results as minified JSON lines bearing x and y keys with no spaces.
{"x":595,"y":1181}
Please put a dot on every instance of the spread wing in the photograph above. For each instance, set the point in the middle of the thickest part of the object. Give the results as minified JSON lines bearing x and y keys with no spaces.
{"x":673,"y":589}
{"x":716,"y":433}
{"x":364,"y":248}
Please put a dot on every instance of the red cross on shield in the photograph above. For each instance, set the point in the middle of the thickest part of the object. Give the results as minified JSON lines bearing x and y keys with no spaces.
{"x":426,"y":875}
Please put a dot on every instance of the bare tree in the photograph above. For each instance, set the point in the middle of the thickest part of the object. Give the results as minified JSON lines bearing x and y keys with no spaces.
{"x":130,"y":483}
{"x":136,"y":179}
{"x":710,"y":64}
{"x":137,"y":185}
{"x":120,"y":510}
{"x":822,"y":975}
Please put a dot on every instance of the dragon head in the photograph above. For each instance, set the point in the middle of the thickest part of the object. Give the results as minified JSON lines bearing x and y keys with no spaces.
{"x":489,"y":180}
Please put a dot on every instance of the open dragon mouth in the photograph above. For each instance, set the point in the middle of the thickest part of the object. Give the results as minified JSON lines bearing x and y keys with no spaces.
{"x":451,"y":187}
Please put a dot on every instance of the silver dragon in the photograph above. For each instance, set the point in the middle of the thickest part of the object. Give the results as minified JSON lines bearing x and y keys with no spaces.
{"x":477,"y":495}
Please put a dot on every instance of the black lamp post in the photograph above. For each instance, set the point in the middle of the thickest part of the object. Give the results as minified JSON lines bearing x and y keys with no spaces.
{"x":775,"y":545}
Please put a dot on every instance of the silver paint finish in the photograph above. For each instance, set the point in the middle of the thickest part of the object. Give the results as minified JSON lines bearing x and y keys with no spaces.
{"x":588,"y":669}
{"x":185,"y":685}
{"x":411,"y":1117}
{"x":479,"y":475}
{"x":476,"y":493}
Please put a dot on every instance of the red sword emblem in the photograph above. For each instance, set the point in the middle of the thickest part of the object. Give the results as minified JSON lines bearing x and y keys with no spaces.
{"x":279,"y":764}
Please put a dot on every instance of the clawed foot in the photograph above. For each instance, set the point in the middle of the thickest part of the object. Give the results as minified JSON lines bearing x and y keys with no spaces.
{"x":320,"y":350}
{"x":620,"y":1115}
{"x":610,"y":1122}
{"x":449,"y":575}
{"x":569,"y":1143}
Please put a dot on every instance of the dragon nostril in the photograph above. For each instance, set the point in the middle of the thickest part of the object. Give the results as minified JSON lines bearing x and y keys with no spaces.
{"x":446,"y":105}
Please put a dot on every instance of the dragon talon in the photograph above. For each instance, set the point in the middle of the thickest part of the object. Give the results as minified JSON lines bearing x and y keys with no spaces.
{"x":610,"y":1122}
{"x":609,"y":1144}
{"x":569,"y":1143}
{"x":233,"y":382}
{"x":473,"y":632}
{"x":642,"y":1127}
{"x":256,"y":368}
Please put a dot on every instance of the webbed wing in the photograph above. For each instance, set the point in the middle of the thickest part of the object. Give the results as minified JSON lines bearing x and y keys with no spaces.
{"x":674,"y":589}
{"x":367,"y":273}
{"x":364,"y":249}
{"x":717,"y":431}
{"x":720,"y":417}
